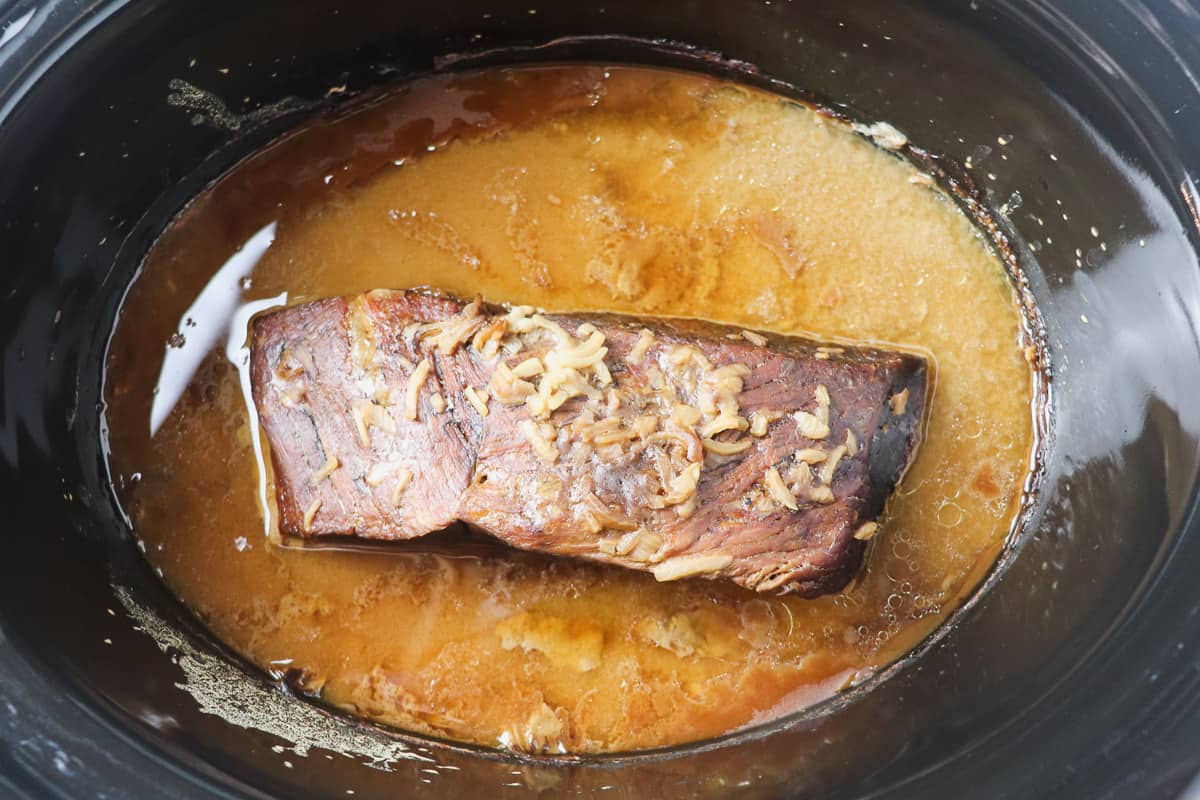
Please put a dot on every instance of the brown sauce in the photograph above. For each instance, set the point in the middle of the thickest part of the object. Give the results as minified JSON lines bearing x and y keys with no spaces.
{"x":571,"y":188}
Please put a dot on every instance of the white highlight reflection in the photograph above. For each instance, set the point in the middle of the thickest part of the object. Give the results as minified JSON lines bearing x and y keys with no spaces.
{"x":15,"y":27}
{"x":238,"y":353}
{"x":204,"y":323}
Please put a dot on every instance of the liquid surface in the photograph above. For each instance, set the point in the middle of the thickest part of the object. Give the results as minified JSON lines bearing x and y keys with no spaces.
{"x":576,"y":188}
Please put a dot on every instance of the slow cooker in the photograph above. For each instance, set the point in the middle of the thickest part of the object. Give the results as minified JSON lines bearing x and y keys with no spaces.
{"x":1074,"y":671}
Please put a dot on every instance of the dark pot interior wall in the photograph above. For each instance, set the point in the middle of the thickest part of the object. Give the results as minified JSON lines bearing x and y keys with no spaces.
{"x":1075,"y":676}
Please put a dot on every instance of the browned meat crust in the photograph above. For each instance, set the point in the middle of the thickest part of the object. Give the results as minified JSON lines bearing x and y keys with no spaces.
{"x":674,"y":446}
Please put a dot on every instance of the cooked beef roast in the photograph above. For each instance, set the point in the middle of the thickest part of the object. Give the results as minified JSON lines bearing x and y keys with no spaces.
{"x":679,"y":447}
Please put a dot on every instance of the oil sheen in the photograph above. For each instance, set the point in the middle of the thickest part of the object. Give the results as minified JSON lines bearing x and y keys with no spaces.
{"x":570,"y":188}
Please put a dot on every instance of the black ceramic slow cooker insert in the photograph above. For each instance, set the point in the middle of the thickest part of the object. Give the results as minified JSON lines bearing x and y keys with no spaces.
{"x":1075,"y":673}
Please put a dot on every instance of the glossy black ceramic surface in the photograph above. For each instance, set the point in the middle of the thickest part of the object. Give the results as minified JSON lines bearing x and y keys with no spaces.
{"x":1076,"y":673}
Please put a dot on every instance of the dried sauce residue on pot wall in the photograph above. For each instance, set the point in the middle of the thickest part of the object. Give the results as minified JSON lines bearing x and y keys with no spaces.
{"x":576,"y":189}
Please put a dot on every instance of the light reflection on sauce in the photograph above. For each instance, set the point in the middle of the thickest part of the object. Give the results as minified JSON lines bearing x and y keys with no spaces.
{"x":205,"y":324}
{"x":573,"y":189}
{"x":238,"y":353}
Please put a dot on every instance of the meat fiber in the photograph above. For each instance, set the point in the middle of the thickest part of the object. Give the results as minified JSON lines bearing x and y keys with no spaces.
{"x":679,"y":447}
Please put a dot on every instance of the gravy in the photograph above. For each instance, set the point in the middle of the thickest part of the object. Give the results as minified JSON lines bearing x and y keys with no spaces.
{"x":572,"y":188}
